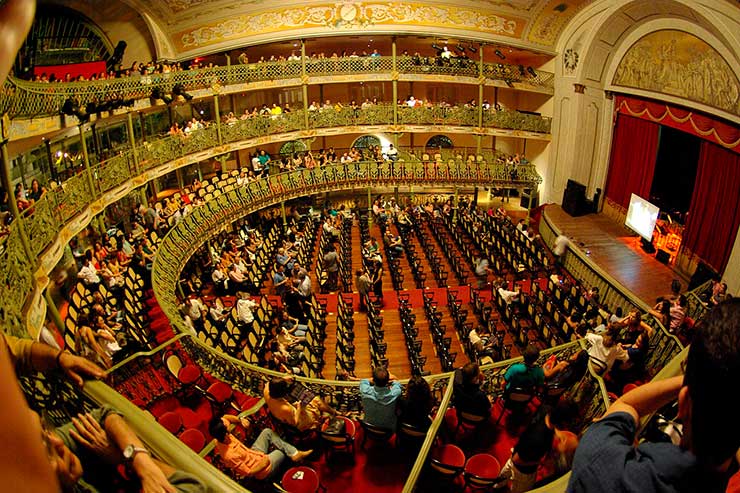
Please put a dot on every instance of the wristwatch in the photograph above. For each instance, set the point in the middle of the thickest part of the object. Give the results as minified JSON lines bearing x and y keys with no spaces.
{"x":131,"y":450}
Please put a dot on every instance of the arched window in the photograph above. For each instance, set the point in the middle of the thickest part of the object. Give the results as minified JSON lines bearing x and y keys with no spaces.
{"x":440,"y":142}
{"x":293,"y":146}
{"x":366,"y":141}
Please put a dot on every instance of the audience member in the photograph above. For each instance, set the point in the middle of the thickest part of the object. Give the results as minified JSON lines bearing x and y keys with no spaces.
{"x":468,"y":396}
{"x":416,"y":406}
{"x":536,"y":441}
{"x":379,"y":398}
{"x":256,"y":461}
{"x":609,"y":458}
{"x":296,"y":414}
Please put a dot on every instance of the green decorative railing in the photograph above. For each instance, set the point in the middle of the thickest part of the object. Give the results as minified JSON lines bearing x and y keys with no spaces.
{"x":26,"y":99}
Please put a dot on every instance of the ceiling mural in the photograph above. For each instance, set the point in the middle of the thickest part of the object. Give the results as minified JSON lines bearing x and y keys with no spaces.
{"x":552,"y":19}
{"x":680,"y":64}
{"x":354,"y":16}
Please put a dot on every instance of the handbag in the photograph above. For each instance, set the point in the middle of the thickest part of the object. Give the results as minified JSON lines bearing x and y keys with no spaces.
{"x":336,"y":426}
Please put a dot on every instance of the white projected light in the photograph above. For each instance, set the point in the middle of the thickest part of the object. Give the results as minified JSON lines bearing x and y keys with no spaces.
{"x":641,"y":217}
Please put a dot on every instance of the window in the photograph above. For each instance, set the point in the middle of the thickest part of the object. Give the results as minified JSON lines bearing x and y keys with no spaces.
{"x":289,"y":148}
{"x":366,"y":141}
{"x":440,"y":142}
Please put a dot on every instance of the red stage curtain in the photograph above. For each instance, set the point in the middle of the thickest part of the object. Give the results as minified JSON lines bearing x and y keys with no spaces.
{"x":632,"y":166}
{"x":706,"y":126}
{"x":714,"y":215}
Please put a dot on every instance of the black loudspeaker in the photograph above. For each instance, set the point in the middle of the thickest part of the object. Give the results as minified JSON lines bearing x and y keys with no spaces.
{"x":702,"y":274}
{"x":663,"y":256}
{"x":574,"y":199}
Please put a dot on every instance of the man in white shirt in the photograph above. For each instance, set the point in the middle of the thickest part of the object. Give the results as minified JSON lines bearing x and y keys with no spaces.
{"x":89,"y":274}
{"x":559,"y":248}
{"x":392,"y":153}
{"x":244,"y":307}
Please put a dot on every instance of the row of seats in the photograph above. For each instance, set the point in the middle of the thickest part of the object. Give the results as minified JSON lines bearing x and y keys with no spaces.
{"x":411,"y":334}
{"x":442,"y":342}
{"x":442,"y":233}
{"x":345,"y":349}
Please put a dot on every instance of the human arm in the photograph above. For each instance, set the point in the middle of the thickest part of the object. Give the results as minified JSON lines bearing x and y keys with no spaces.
{"x":647,"y":398}
{"x":152,"y":473}
{"x":27,"y":355}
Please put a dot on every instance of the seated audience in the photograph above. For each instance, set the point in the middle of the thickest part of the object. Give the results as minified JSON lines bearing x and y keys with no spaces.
{"x":536,"y":442}
{"x":609,"y":458}
{"x":527,"y":375}
{"x":256,"y":461}
{"x":605,"y":350}
{"x":416,"y":406}
{"x":296,"y":414}
{"x":380,"y":397}
{"x":467,"y":395}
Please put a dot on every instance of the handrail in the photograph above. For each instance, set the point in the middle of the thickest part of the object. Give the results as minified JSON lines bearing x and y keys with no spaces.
{"x":161,"y":442}
{"x":431,"y":436}
{"x":20,"y":98}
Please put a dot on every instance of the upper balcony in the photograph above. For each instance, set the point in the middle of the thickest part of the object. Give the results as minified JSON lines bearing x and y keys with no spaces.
{"x":22,"y":99}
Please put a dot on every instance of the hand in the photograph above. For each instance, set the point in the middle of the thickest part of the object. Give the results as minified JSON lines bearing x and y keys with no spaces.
{"x":151,"y":476}
{"x":75,"y":368}
{"x":93,"y":437}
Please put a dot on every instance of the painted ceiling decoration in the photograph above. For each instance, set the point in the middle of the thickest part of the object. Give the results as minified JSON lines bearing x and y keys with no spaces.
{"x":682,"y":65}
{"x":197,"y":26}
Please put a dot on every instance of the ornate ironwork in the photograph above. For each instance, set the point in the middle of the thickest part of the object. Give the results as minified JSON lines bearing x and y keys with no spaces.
{"x":21,"y":98}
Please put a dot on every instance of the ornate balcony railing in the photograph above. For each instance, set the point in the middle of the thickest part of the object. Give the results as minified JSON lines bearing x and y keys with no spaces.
{"x":24,"y":99}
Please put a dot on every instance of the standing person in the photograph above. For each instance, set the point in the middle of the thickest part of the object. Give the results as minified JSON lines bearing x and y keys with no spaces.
{"x":331,"y":266}
{"x":363,"y":284}
{"x":609,"y":458}
{"x":378,"y":280}
{"x":536,"y":442}
{"x":559,"y":248}
{"x":482,"y":270}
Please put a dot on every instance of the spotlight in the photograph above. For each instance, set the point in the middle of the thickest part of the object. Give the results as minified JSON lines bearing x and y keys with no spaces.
{"x":472,"y":49}
{"x":460,"y":48}
{"x":437,"y":47}
{"x":531,"y":72}
{"x":179,"y":90}
{"x":522,"y":71}
{"x":499,"y":54}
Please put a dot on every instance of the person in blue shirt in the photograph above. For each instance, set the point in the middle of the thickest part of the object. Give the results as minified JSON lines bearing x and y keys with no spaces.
{"x":607,"y":458}
{"x":526,"y":375}
{"x":380,"y":397}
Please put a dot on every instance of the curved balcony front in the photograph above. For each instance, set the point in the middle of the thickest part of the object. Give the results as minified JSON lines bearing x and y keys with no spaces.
{"x":24,"y":99}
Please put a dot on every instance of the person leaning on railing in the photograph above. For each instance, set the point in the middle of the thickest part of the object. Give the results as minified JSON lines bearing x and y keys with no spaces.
{"x":608,"y":458}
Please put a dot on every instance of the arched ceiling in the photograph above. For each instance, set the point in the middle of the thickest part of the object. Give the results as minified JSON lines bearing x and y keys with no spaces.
{"x":198,"y":27}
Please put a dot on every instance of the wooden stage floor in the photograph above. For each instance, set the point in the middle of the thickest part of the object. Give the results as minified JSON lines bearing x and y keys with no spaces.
{"x":617,"y":250}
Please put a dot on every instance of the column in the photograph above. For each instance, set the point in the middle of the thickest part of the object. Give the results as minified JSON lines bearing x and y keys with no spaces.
{"x":86,"y":159}
{"x":285,"y":219}
{"x":218,"y":118}
{"x":304,"y":84}
{"x":454,"y":207}
{"x":132,"y":141}
{"x":481,"y":83}
{"x":8,"y":185}
{"x":394,"y":78}
{"x":51,"y":308}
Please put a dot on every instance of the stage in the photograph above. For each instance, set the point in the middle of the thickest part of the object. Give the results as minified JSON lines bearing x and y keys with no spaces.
{"x":616,"y":249}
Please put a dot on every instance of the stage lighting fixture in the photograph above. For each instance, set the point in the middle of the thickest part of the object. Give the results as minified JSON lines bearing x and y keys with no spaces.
{"x":472,"y":49}
{"x":531,"y":72}
{"x":179,"y":90}
{"x":522,"y":71}
{"x":460,"y":48}
{"x":499,"y":54}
